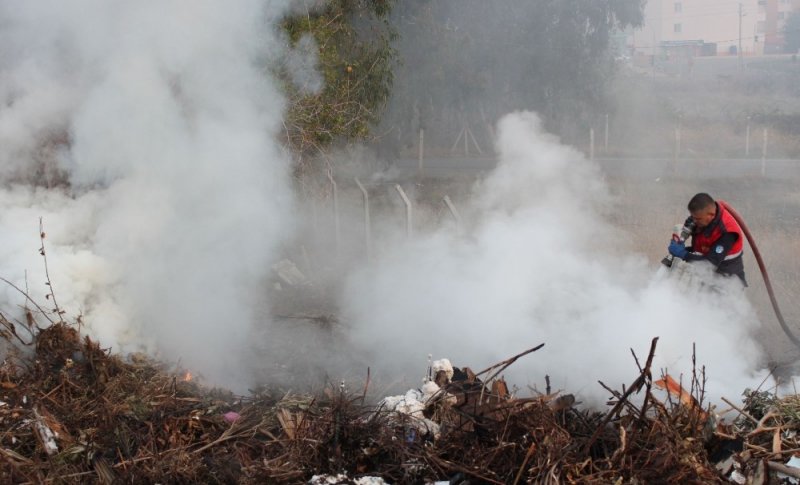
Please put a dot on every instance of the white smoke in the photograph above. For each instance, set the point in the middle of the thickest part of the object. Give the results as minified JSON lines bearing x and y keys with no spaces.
{"x":163,"y":120}
{"x":161,"y":117}
{"x":542,"y":265}
{"x":302,"y":65}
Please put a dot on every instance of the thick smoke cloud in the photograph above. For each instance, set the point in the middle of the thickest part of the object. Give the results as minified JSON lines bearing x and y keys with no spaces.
{"x":155,"y":122}
{"x":541,"y":264}
{"x":153,"y":125}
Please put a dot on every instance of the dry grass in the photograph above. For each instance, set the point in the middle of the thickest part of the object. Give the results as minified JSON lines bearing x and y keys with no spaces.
{"x":72,"y":413}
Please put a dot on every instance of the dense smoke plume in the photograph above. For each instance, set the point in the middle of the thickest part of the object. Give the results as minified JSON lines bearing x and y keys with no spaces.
{"x":165,"y":202}
{"x":541,"y":264}
{"x":153,"y":123}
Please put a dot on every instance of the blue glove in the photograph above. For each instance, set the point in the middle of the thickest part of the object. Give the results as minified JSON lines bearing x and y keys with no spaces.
{"x":677,"y":249}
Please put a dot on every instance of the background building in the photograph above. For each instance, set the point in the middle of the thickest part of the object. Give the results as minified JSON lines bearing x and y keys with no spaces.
{"x":688,"y":28}
{"x":772,"y":20}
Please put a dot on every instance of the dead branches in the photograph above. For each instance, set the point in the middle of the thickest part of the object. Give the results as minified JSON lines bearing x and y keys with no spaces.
{"x":80,"y":414}
{"x":51,"y":294}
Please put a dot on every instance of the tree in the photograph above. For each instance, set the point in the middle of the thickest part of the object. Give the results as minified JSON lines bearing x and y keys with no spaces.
{"x":470,"y":61}
{"x":351,"y":42}
{"x":791,"y":33}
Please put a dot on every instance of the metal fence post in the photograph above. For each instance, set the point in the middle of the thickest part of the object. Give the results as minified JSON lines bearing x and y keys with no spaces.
{"x":367,"y":223}
{"x":407,"y":202}
{"x":421,"y":151}
{"x":335,"y":194}
{"x":453,"y":211}
{"x":747,"y":139}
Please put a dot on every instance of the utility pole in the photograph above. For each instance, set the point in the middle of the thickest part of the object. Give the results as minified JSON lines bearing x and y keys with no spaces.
{"x":740,"y":36}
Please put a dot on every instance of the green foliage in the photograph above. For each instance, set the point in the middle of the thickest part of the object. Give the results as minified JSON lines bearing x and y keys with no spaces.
{"x":355,"y":61}
{"x":758,"y":403}
{"x":791,"y":33}
{"x":455,"y":62}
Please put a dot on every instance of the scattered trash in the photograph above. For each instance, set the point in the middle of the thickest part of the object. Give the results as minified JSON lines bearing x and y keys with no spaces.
{"x":442,"y":365}
{"x":343,"y":479}
{"x":738,"y":477}
{"x":793,"y":473}
{"x":231,"y":416}
{"x":411,"y":405}
{"x":46,"y":436}
{"x":327,"y":479}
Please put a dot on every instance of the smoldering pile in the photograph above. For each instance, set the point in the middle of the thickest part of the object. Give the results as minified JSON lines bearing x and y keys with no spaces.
{"x":73,"y":413}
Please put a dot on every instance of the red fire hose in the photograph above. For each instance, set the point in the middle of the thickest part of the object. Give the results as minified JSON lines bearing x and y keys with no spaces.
{"x":764,"y":274}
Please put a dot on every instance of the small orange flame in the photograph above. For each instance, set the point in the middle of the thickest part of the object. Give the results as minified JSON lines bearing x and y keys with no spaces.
{"x":187,"y":377}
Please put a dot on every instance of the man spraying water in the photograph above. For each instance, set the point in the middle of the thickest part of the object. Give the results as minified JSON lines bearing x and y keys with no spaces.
{"x":716,"y":237}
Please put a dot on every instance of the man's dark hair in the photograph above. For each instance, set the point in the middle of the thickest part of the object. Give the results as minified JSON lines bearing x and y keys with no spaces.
{"x":700,"y":202}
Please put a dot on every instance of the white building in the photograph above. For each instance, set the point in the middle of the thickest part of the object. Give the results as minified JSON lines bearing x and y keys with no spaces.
{"x":705,"y":27}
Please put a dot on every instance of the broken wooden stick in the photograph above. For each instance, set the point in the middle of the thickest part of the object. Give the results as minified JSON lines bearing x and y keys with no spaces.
{"x":509,"y":361}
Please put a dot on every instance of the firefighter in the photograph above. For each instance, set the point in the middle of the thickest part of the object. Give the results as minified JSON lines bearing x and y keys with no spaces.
{"x":716,"y":238}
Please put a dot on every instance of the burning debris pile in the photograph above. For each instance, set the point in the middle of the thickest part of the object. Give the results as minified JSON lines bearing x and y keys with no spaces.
{"x":72,"y":413}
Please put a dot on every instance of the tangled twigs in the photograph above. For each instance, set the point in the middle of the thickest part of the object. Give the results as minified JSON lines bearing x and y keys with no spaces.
{"x":141,"y":424}
{"x":28,"y":298}
{"x":50,"y":295}
{"x":11,"y":329}
{"x":528,"y":455}
{"x":741,"y":411}
{"x":644,"y":376}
